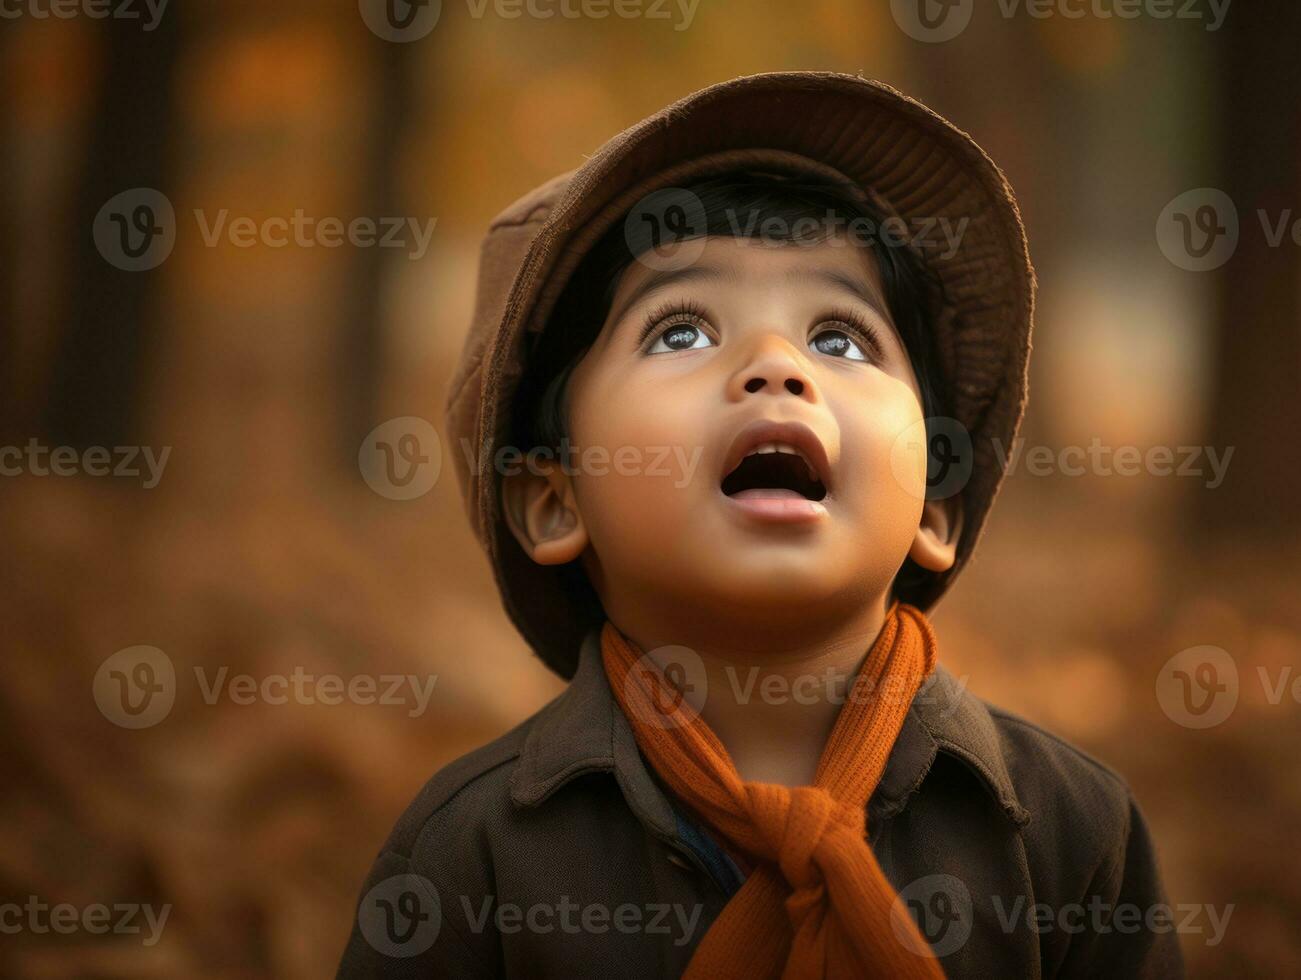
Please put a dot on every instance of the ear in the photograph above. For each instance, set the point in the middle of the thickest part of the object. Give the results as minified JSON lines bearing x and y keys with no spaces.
{"x":541,"y":511}
{"x":935,"y":548}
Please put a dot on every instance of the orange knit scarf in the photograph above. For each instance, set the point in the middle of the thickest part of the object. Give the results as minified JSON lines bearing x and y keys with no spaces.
{"x":817,"y":903}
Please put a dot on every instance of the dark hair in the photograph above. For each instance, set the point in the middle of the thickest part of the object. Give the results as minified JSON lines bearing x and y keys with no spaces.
{"x":742,"y":204}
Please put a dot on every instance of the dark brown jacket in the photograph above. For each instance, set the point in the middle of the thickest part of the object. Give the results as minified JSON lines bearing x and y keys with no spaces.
{"x":554,"y":852}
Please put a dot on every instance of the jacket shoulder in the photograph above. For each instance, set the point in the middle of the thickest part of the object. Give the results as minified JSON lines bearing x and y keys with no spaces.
{"x":477,"y":782}
{"x":1079,"y":806}
{"x":1025,"y":741}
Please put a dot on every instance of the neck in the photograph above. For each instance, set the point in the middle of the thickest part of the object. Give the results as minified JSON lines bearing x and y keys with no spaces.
{"x":775,"y":688}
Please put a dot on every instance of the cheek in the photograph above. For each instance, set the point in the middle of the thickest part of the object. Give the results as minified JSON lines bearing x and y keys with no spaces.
{"x":883,"y":447}
{"x":636,"y":412}
{"x":639,"y":453}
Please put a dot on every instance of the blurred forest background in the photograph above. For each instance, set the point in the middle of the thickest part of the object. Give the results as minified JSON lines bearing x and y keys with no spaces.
{"x":263,"y":549}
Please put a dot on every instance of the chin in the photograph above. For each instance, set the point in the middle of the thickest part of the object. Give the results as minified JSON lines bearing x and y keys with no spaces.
{"x":779,"y":583}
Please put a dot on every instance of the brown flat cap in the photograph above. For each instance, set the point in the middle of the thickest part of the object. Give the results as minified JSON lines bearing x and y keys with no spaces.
{"x":814,"y":123}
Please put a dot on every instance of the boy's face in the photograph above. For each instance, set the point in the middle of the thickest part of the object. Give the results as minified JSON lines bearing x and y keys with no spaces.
{"x":748,"y":336}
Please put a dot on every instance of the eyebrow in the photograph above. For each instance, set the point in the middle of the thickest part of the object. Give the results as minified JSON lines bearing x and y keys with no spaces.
{"x":661,"y":280}
{"x":845,"y":282}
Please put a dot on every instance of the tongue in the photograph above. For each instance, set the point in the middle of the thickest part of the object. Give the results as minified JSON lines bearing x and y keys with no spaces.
{"x":768,"y":493}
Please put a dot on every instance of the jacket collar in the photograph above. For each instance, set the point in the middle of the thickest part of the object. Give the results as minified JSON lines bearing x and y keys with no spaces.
{"x":584,"y":730}
{"x":946,"y":717}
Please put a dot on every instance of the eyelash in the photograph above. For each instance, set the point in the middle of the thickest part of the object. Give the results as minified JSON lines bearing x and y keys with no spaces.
{"x":862,"y":331}
{"x":692,"y":313}
{"x":669,"y":315}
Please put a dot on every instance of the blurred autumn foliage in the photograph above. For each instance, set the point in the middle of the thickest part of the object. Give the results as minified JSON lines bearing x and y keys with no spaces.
{"x":262,"y":549}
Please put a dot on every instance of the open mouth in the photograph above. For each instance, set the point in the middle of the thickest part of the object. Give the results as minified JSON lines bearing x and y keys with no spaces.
{"x":774,"y":470}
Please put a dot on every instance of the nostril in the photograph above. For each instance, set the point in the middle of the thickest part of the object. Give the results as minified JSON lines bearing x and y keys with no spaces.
{"x":795,"y":386}
{"x":754,"y":384}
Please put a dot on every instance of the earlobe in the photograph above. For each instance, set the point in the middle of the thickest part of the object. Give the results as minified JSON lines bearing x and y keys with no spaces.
{"x":542,"y":513}
{"x":935,"y":547}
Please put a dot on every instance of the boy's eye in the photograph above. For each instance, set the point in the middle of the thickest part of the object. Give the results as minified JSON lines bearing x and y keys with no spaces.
{"x":837,"y":343}
{"x":680,"y":336}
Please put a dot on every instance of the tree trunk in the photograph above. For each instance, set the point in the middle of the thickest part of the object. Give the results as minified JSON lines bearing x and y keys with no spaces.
{"x":97,"y":369}
{"x":1257,"y":394}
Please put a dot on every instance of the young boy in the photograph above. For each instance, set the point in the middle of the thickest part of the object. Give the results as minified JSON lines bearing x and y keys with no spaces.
{"x":731,"y":394}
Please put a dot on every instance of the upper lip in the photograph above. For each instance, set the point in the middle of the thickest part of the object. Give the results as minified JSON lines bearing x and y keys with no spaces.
{"x":795,"y":434}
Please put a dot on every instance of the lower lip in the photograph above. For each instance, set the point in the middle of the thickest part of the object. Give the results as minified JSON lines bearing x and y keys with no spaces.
{"x":778,"y":506}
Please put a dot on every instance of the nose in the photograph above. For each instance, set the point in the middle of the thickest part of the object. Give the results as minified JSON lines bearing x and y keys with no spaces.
{"x":772,"y":366}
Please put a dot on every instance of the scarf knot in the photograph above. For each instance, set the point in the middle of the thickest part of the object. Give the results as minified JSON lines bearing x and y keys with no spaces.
{"x":792,"y":824}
